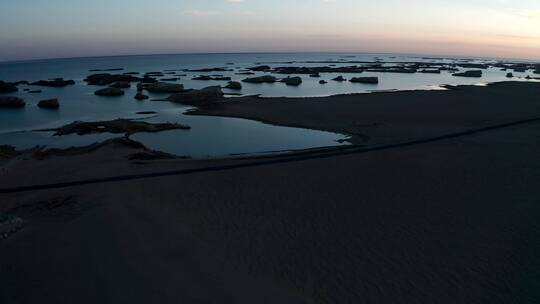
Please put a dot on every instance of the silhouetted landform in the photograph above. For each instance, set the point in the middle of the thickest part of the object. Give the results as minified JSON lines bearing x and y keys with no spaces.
{"x":121,"y":85}
{"x":138,"y":150}
{"x":55,"y":83}
{"x":6,"y":87}
{"x":141,"y":96}
{"x":11,"y":102}
{"x":472,"y":73}
{"x":164,"y":87}
{"x":106,"y":70}
{"x":369,"y":80}
{"x":391,"y":67}
{"x":292,"y":81}
{"x":209,"y":70}
{"x":8,"y":152}
{"x":217,"y":78}
{"x":109,"y":92}
{"x":234,"y":85}
{"x":339,"y":79}
{"x":200,"y":97}
{"x":261,"y":79}
{"x":124,"y":126}
{"x":259,"y":68}
{"x":49,"y":104}
{"x":108,"y":79}
{"x":148,"y":79}
{"x":34,"y":91}
{"x":430,"y":71}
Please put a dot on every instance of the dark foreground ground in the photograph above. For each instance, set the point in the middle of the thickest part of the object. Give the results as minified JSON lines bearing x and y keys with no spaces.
{"x":448,"y":221}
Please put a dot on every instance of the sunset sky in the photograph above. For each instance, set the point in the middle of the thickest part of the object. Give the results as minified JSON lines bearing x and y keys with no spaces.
{"x":58,"y":28}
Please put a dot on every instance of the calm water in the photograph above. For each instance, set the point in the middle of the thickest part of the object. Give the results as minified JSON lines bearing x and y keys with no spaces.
{"x":209,"y":136}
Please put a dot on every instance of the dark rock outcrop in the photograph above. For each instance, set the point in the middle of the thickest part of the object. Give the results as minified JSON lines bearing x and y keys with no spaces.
{"x":49,"y":104}
{"x":209,"y":70}
{"x":482,"y":66}
{"x":292,"y":81}
{"x":198,"y":97}
{"x":55,"y":83}
{"x":106,"y":70}
{"x":400,"y":70}
{"x":323,"y":82}
{"x":7,"y":87}
{"x":121,"y":85}
{"x":7,"y":152}
{"x":115,"y":126}
{"x":234,"y":85}
{"x":109,"y":92}
{"x":154,"y":74}
{"x":164,"y":87}
{"x":259,"y":68}
{"x":108,"y":79}
{"x":471,"y":73}
{"x":148,"y":79}
{"x":368,"y":80}
{"x":339,"y":78}
{"x":317,"y":70}
{"x":141,"y":96}
{"x":11,"y":102}
{"x":261,"y":79}
{"x":430,"y":71}
{"x":509,"y":75}
{"x":216,"y":78}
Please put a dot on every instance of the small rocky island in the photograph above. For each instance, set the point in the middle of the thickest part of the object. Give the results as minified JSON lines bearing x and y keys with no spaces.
{"x":117,"y":126}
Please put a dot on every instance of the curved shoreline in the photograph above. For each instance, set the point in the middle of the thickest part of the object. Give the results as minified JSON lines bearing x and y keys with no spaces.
{"x":442,"y":201}
{"x":386,"y":116}
{"x":293,"y":156}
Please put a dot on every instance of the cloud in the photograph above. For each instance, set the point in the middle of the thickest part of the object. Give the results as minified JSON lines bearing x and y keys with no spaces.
{"x":200,"y":13}
{"x":529,"y":14}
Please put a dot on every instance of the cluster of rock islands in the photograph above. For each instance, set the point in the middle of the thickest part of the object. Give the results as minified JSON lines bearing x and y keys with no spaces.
{"x":163,"y":82}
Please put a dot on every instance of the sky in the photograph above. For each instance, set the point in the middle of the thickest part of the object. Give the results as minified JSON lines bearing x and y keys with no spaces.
{"x":34,"y":29}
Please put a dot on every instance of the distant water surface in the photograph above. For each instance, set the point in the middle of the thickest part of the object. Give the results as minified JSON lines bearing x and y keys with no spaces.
{"x":209,"y":136}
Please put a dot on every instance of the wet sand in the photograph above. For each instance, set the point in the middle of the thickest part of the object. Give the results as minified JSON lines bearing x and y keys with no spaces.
{"x":448,"y":221}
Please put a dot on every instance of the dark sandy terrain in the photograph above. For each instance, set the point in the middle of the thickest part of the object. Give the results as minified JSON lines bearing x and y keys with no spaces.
{"x":388,"y":117}
{"x":448,"y":221}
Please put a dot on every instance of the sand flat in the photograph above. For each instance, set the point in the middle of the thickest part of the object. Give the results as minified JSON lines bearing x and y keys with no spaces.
{"x":450,"y":221}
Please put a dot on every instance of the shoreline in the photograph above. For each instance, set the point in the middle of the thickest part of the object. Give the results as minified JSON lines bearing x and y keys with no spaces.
{"x":354,"y":138}
{"x":288,"y":111}
{"x":445,"y":203}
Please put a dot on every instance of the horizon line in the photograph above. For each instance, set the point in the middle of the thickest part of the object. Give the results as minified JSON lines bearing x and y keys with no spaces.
{"x":436,"y":56}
